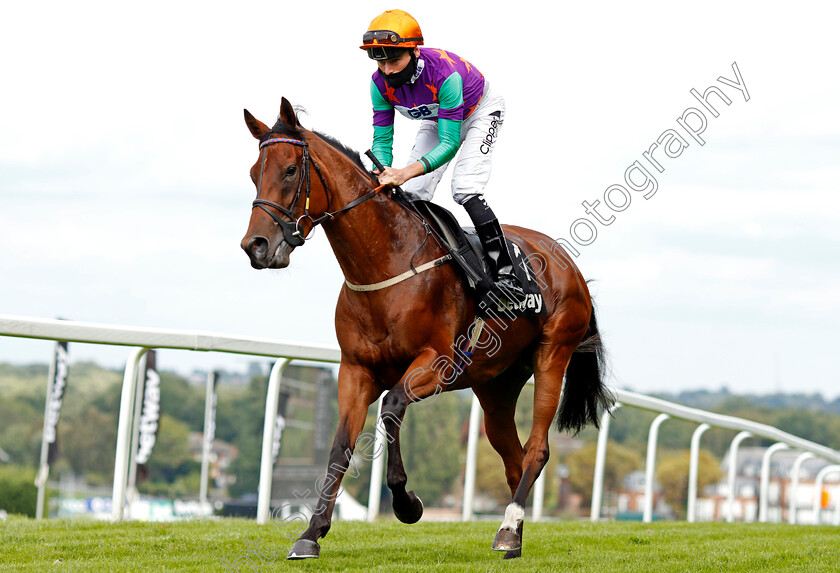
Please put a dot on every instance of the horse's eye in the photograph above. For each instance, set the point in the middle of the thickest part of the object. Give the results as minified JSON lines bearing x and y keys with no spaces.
{"x":291,"y":170}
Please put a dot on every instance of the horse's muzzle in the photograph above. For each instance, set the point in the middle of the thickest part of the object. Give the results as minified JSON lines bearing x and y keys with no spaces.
{"x":263,"y":256}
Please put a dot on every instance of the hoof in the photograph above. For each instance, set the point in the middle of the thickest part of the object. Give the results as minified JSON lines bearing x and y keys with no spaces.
{"x":516,"y":553}
{"x":507,"y":540}
{"x":304,"y":549}
{"x":410,"y":512}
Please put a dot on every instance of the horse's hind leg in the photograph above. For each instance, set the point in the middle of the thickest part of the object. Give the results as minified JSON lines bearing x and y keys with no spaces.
{"x":498,"y":400}
{"x":501,"y":432}
{"x":549,"y":366}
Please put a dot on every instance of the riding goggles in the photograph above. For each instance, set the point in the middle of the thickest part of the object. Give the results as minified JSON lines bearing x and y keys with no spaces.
{"x":385,"y":53}
{"x":386,"y":37}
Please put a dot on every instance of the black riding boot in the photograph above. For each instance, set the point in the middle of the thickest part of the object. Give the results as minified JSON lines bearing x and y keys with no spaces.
{"x":493,"y":240}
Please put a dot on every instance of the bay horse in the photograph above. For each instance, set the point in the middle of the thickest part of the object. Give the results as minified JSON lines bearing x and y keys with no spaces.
{"x":404,"y":338}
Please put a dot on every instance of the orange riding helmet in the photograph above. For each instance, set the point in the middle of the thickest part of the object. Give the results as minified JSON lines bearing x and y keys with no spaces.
{"x":393,"y":29}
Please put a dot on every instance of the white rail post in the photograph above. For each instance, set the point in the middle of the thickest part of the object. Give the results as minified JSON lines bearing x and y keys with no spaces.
{"x":207,"y":441}
{"x":131,"y":492}
{"x":733,"y":472}
{"x":44,"y":467}
{"x":818,"y":485}
{"x":837,"y":508}
{"x":266,"y":467}
{"x":650,"y":466}
{"x":377,"y":465}
{"x":764,"y":485}
{"x":472,"y":458}
{"x":600,"y":462}
{"x":794,"y":486}
{"x":121,"y":459}
{"x":539,"y":497}
{"x":693,"y":471}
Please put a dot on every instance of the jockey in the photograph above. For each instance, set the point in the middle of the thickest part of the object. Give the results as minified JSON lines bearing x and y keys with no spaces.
{"x":459,"y":111}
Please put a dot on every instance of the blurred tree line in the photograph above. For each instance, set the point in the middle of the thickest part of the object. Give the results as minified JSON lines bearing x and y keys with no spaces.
{"x":433,"y":437}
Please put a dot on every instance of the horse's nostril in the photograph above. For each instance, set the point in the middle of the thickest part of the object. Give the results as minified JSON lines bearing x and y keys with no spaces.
{"x":258,"y":247}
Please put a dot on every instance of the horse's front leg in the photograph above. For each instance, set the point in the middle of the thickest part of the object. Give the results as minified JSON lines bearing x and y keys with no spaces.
{"x":419,"y":382}
{"x":356,"y":391}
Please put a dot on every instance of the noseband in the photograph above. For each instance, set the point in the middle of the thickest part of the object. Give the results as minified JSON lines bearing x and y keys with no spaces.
{"x":292,"y":229}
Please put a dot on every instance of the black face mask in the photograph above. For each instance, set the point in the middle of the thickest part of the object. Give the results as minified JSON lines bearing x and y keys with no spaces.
{"x":398,"y":79}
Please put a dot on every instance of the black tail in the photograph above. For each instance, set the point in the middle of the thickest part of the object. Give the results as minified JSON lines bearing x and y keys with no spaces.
{"x":585,"y":395}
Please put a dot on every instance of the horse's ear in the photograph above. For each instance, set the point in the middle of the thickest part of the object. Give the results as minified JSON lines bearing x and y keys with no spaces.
{"x":287,"y":113}
{"x":255,"y":126}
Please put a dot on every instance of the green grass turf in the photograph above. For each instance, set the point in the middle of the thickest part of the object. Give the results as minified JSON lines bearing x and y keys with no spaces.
{"x":60,"y":545}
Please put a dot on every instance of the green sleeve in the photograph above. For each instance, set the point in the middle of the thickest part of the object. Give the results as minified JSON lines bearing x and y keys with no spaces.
{"x":383,"y":144}
{"x":449,"y":132}
{"x":383,"y":135}
{"x":451,"y":96}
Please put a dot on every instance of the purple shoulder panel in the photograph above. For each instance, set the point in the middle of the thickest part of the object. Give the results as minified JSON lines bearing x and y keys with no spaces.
{"x":422,"y":94}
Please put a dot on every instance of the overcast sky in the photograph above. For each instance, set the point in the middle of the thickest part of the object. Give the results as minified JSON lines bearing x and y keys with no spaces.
{"x":124,"y":187}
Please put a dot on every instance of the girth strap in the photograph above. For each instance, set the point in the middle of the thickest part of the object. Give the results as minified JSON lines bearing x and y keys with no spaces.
{"x":401,"y":277}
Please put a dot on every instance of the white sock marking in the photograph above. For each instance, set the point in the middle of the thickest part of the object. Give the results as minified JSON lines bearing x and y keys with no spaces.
{"x":514,"y":514}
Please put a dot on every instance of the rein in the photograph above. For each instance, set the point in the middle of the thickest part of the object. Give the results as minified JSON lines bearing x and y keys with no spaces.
{"x":292,"y":229}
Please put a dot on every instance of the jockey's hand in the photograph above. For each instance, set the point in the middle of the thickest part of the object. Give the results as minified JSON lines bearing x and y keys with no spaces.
{"x":397,"y":177}
{"x":393,"y":177}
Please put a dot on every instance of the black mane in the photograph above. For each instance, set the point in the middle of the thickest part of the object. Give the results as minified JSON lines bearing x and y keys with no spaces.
{"x":351,"y":153}
{"x":282,"y":129}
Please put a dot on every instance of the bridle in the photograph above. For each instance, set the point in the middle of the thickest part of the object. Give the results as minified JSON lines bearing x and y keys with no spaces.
{"x":293,"y":232}
{"x":292,"y":229}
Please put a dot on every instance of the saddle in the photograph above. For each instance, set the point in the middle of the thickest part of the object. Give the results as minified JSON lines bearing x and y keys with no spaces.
{"x":466,"y":250}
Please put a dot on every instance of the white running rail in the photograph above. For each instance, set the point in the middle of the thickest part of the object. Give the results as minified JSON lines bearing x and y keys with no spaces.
{"x":142,"y":339}
{"x":710,"y":419}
